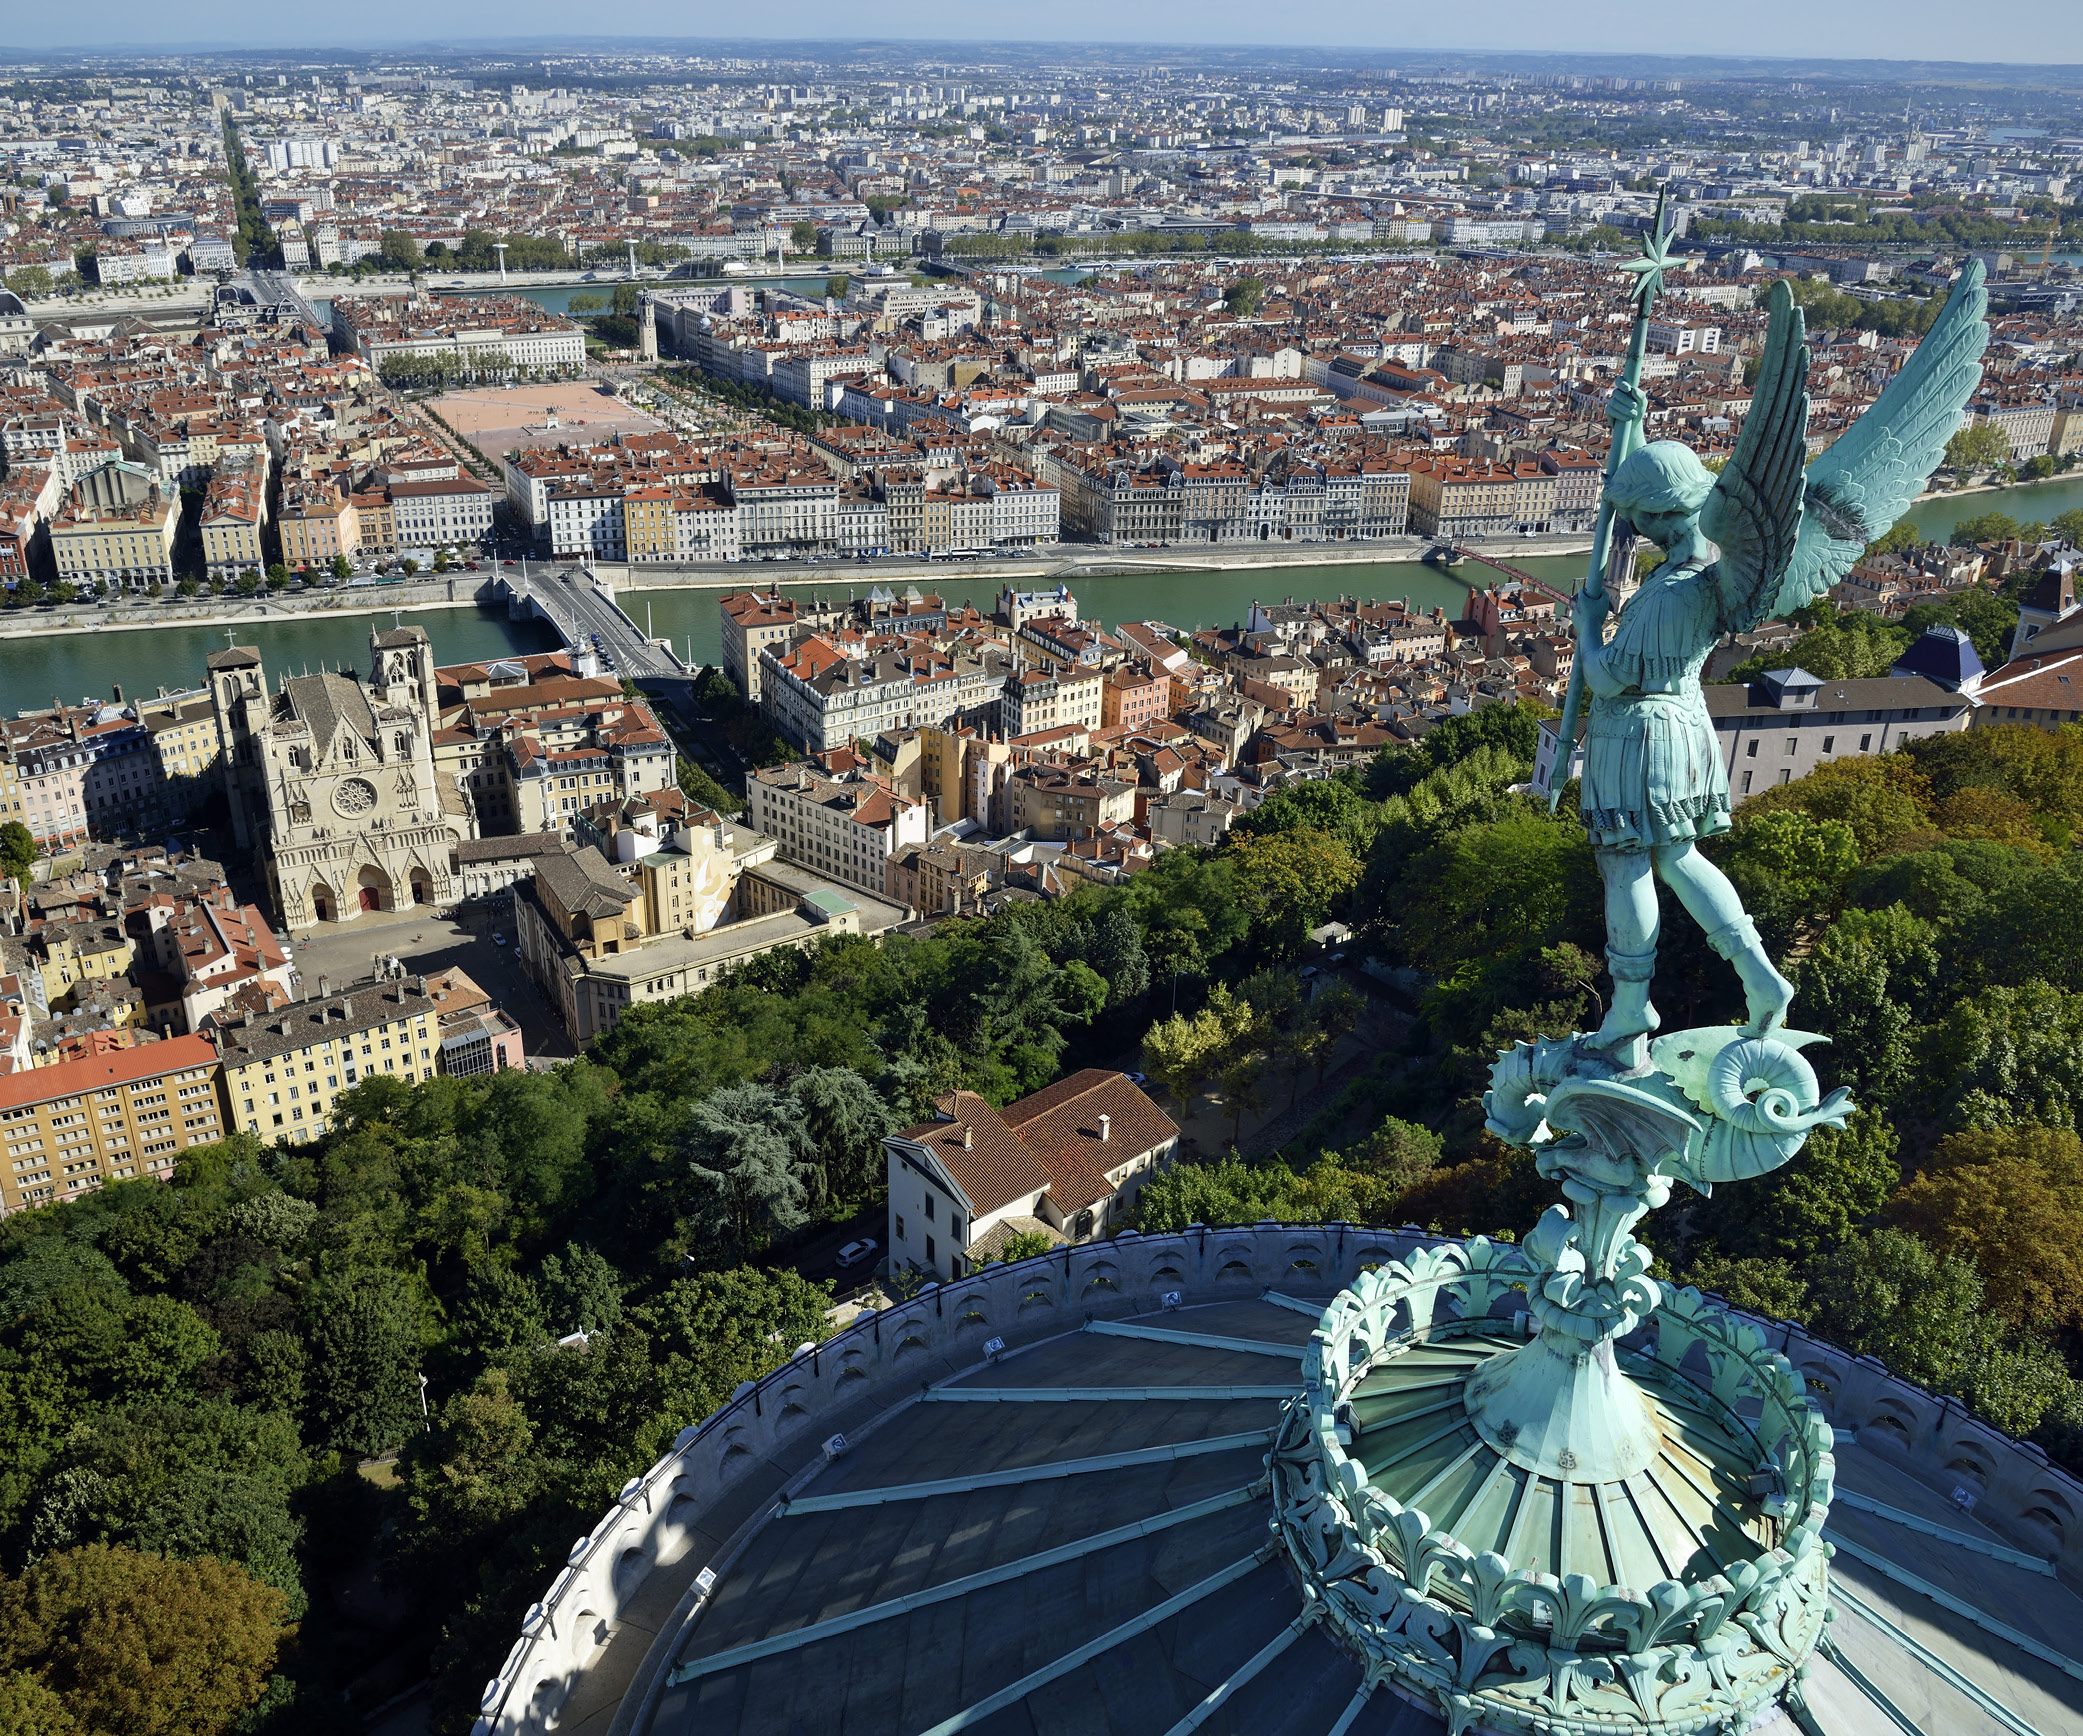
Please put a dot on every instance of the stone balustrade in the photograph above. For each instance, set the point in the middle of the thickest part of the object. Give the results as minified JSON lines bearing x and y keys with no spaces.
{"x":886,"y":1357}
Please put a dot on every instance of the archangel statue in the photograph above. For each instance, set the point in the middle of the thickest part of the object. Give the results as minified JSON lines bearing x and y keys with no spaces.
{"x":1768,"y":535}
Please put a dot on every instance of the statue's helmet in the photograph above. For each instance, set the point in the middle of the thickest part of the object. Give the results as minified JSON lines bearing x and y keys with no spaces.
{"x":1661,"y":477}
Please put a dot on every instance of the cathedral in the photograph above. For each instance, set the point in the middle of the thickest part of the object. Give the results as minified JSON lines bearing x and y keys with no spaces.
{"x":333,"y":785}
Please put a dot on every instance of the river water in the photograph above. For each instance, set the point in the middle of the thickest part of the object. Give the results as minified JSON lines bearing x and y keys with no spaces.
{"x":73,"y":666}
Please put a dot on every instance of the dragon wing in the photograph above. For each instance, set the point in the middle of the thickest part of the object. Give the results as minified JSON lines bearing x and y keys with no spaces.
{"x":1754,"y":513}
{"x":1867,"y":479}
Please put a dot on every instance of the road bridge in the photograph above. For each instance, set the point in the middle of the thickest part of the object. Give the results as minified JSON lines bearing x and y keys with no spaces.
{"x":581,"y":606}
{"x":277,"y":289}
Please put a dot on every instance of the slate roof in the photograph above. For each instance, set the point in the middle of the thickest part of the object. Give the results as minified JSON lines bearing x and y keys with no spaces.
{"x":323,"y":701}
{"x":584,"y":884}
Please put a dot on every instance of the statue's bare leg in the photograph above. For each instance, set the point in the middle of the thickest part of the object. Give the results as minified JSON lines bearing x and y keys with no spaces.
{"x":1631,"y":918}
{"x":1711,"y":901}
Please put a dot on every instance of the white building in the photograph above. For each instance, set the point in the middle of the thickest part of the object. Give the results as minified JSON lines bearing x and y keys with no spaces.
{"x":1062,"y":1164}
{"x":441,"y":514}
{"x":846,"y":828}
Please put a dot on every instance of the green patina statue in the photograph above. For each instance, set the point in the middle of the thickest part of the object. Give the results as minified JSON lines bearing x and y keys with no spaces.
{"x":1765,"y":537}
{"x":1555,"y":1522}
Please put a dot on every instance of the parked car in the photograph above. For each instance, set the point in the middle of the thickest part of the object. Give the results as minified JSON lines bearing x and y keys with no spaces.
{"x":855,"y":1252}
{"x":498,"y":940}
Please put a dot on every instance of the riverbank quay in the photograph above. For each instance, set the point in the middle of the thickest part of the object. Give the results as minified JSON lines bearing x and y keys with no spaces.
{"x":445,"y":592}
{"x":1070,"y":561}
{"x":1063,"y":564}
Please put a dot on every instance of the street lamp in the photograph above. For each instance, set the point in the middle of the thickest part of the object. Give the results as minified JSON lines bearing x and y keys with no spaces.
{"x":426,"y":1417}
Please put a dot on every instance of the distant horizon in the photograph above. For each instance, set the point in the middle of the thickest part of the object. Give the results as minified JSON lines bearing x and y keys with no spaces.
{"x":1917,"y":35}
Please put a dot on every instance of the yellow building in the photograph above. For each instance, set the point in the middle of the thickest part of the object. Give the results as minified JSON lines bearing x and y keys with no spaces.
{"x":187,"y":746}
{"x":375,"y":522}
{"x":234,"y":509}
{"x":284,"y":1070}
{"x":316,"y":523}
{"x":647,"y":524}
{"x":82,"y":952}
{"x":67,"y":1129}
{"x":117,"y":528}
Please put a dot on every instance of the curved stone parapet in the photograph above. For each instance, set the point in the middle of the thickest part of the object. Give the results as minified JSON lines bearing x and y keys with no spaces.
{"x":676,"y":1517}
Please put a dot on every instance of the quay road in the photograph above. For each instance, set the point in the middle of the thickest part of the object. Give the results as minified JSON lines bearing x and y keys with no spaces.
{"x":583,"y":609}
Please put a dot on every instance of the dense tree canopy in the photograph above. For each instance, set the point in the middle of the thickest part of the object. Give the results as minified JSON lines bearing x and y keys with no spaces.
{"x":221,"y":1377}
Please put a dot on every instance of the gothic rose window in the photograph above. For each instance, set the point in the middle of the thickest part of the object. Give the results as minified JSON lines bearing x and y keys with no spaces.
{"x":354,"y":796}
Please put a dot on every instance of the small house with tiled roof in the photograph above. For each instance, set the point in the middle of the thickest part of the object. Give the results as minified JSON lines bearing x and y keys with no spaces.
{"x":1064,"y":1163}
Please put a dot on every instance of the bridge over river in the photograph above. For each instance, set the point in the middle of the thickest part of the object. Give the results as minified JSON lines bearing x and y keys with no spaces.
{"x":581,"y":606}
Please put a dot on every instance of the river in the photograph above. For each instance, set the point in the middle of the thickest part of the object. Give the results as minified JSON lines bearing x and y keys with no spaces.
{"x":78,"y":665}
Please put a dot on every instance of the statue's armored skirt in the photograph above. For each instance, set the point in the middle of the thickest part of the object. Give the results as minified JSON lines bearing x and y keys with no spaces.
{"x":1652,"y":768}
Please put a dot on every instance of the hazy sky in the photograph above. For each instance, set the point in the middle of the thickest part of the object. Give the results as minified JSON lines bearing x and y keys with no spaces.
{"x":2030,"y":31}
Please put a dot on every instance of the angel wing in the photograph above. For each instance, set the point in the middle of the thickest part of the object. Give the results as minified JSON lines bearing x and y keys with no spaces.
{"x":1868,"y":478}
{"x":1754,"y":513}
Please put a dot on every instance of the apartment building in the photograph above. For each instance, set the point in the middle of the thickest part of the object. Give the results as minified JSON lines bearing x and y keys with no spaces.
{"x":316,"y":523}
{"x":284,"y":1070}
{"x":1456,"y":497}
{"x":497,"y":333}
{"x":450,"y":512}
{"x":1055,"y":803}
{"x":1053,"y":696}
{"x":235,"y":506}
{"x":752,"y":624}
{"x":821,"y":696}
{"x":72,"y":1127}
{"x":846,"y":826}
{"x":116,"y":527}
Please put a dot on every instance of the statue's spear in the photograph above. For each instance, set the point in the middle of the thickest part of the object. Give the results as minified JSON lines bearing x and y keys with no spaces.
{"x":1649,"y":282}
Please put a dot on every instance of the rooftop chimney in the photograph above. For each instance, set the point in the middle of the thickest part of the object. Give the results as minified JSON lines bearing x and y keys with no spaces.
{"x":968,"y":1139}
{"x":1106,"y":1128}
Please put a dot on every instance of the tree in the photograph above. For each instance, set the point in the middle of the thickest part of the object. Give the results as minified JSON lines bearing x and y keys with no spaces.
{"x":2070,"y":526}
{"x":1986,"y":527}
{"x":30,"y":282}
{"x":1899,"y":539}
{"x":1179,"y":1052}
{"x":1819,"y":1201}
{"x":343,"y":568}
{"x":28,"y":1708}
{"x":624,"y":297}
{"x":802,"y":235}
{"x":398,"y":251}
{"x":846,"y":1120}
{"x":363,"y":1329}
{"x":746,"y":1150}
{"x":1978,"y":448}
{"x":472,"y":1472}
{"x":248,"y":583}
{"x":1289,"y":883}
{"x":1757,"y":1285}
{"x":2011,"y":1204}
{"x":1889,"y":1295}
{"x":1242,"y":1073}
{"x":1398,"y":1154}
{"x":1243,"y":297}
{"x":584,"y":301}
{"x":17,"y":852}
{"x":1884,"y":798}
{"x":1022,"y":1245}
{"x":140,"y":1645}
